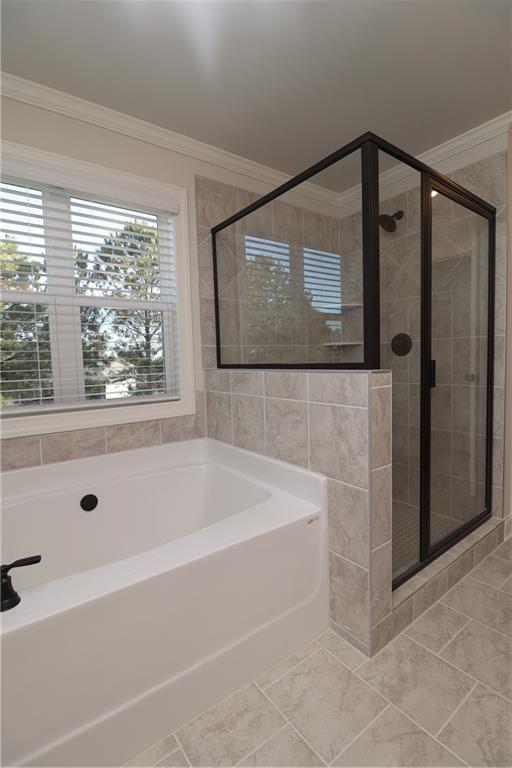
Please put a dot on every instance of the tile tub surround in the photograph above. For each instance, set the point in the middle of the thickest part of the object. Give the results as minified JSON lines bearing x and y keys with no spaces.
{"x":22,"y":452}
{"x":338,"y":424}
{"x":438,"y":695}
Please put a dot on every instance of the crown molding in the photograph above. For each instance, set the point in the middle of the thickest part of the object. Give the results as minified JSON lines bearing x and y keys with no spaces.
{"x":468,"y":147}
{"x":43,"y":97}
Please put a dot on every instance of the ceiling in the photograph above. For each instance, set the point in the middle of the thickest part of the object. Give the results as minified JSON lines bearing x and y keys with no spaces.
{"x":279,"y":82}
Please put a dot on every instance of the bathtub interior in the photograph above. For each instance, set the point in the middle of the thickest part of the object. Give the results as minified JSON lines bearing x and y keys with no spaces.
{"x":135,"y":513}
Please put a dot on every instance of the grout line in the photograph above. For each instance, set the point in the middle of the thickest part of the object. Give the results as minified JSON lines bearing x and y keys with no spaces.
{"x":349,"y":485}
{"x":450,"y":664}
{"x":339,"y":660}
{"x":264,"y":418}
{"x":180,"y":746}
{"x":307,"y":422}
{"x":291,"y":399}
{"x":323,"y":762}
{"x":360,"y":734}
{"x":288,"y":670}
{"x":263,"y":743}
{"x":466,"y":697}
{"x":357,"y":640}
{"x":212,"y":706}
{"x":405,"y":714}
{"x":477,"y":621}
{"x":438,"y":653}
{"x":503,"y":584}
{"x":481,"y":581}
{"x":504,"y":559}
{"x":380,"y":547}
{"x":369,"y":510}
{"x":352,"y":562}
{"x":468,"y":674}
{"x":231,"y":410}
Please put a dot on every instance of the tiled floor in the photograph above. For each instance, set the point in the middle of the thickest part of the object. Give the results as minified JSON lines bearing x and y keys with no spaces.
{"x":440,"y":694}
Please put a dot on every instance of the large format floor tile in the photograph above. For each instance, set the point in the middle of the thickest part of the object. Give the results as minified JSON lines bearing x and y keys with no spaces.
{"x":481,"y":602}
{"x":493,"y":571}
{"x":447,"y":683}
{"x":504,"y":550}
{"x":230,"y":730}
{"x":421,"y":684}
{"x":282,"y":667}
{"x":175,"y":760}
{"x":346,"y":653}
{"x":436,"y":627}
{"x":284,"y":749}
{"x":326,"y":702}
{"x":484,"y":654}
{"x":154,"y":754}
{"x":481,"y":730}
{"x":393,"y":740}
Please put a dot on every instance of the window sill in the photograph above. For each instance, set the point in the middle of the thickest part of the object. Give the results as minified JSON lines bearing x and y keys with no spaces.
{"x":103,"y":416}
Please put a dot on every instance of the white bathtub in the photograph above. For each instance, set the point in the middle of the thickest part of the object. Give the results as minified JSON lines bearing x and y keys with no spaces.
{"x":202,"y":565}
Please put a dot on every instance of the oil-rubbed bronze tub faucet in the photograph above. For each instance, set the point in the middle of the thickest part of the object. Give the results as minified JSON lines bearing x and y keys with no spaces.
{"x":10,"y":597}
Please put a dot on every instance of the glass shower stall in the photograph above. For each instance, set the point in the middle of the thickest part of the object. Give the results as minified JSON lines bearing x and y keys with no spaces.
{"x":391,"y":267}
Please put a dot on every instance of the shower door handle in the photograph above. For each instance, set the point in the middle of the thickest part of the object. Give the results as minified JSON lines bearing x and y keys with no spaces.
{"x":432,"y":373}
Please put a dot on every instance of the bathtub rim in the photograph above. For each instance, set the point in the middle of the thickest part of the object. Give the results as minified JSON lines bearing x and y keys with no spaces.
{"x":283,"y":506}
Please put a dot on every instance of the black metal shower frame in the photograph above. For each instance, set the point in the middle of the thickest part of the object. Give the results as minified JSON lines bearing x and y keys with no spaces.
{"x":370,"y":144}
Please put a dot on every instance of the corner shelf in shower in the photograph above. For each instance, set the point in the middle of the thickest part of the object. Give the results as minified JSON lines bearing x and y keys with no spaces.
{"x":343,"y":344}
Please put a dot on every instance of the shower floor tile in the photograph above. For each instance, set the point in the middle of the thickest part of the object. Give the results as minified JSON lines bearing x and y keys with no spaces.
{"x":438,"y":694}
{"x":406,"y":534}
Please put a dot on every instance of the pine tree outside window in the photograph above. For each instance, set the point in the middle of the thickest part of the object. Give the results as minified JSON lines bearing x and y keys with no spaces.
{"x":89,"y":312}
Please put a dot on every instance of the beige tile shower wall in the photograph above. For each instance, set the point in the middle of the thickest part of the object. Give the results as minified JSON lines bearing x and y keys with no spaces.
{"x":488,"y":179}
{"x":380,"y":410}
{"x":20,"y":452}
{"x":400,"y":310}
{"x":321,"y":421}
{"x":288,"y":329}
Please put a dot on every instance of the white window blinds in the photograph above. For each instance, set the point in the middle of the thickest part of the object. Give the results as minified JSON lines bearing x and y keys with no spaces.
{"x":88,"y":300}
{"x":322,"y":280}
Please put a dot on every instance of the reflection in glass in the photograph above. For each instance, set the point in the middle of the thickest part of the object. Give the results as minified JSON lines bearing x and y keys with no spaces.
{"x":459,"y":346}
{"x":290,"y":281}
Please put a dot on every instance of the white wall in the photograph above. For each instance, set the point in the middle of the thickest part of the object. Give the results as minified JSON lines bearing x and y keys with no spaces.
{"x":50,"y":131}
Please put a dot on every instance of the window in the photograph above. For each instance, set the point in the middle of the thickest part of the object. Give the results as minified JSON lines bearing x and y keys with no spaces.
{"x":322,"y":284}
{"x":322,"y":280}
{"x":89,"y":311}
{"x":271,"y":251}
{"x":268,"y":271}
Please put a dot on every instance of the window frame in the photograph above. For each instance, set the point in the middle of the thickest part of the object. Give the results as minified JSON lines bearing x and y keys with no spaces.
{"x":41,"y":167}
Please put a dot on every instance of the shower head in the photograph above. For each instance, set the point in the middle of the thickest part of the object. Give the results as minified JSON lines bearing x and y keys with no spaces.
{"x":388,"y":223}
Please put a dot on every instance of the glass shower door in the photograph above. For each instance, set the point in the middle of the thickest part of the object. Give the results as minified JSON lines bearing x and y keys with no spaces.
{"x":459,"y":376}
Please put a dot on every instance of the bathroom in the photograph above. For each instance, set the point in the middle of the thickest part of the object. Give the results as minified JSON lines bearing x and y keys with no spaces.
{"x":255,"y":378}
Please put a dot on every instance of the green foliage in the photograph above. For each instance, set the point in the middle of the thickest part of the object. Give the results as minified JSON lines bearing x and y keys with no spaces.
{"x":25,"y":361}
{"x":122,"y":345}
{"x":118,"y":345}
